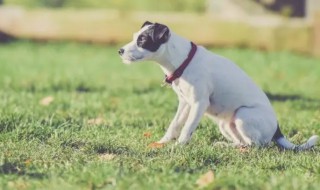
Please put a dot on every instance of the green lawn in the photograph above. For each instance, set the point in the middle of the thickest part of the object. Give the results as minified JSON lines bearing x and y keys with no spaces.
{"x":58,"y":146}
{"x":123,"y":5}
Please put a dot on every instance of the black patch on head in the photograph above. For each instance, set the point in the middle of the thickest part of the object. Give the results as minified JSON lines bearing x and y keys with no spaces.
{"x":152,"y":38}
{"x":146,"y":23}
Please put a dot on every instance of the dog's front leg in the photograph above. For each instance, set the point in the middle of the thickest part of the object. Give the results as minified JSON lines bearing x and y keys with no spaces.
{"x":197,"y":110}
{"x":177,"y":122}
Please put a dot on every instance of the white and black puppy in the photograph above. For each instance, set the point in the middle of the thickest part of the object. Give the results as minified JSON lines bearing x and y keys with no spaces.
{"x":206,"y":83}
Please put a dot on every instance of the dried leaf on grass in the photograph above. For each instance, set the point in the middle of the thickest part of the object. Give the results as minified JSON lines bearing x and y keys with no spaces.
{"x":107,"y":182}
{"x":18,"y":184}
{"x":156,"y":145}
{"x":206,"y":179}
{"x":27,"y":162}
{"x":46,"y":100}
{"x":107,"y":157}
{"x":147,"y":134}
{"x":96,"y":121}
{"x":244,"y":149}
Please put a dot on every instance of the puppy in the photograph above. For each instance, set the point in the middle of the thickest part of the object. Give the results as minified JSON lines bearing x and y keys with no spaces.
{"x":206,"y":83}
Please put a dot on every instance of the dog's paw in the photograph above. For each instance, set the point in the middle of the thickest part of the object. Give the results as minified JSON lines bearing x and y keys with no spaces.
{"x":156,"y":145}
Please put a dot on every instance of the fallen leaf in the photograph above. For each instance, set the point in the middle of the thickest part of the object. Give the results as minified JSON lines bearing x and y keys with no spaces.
{"x":114,"y":101}
{"x":107,"y":157}
{"x":18,"y":184}
{"x":147,"y":134}
{"x":206,"y":179}
{"x":156,"y":145}
{"x":244,"y":149}
{"x":96,"y":121}
{"x":27,"y":162}
{"x":108,"y":182}
{"x":46,"y":100}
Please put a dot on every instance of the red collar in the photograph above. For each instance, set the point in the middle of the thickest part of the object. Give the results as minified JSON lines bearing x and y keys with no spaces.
{"x":177,"y":73}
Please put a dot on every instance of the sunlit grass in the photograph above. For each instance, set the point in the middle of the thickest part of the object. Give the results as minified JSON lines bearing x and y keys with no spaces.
{"x":125,"y":5}
{"x":58,"y":146}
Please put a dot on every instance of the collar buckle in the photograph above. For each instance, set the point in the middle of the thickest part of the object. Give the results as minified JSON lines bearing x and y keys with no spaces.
{"x":165,"y":84}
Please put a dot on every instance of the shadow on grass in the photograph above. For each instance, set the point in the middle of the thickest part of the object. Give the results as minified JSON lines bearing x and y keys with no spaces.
{"x":209,"y":162}
{"x":62,"y":86}
{"x":300,"y":102}
{"x":289,"y":97}
{"x":111,"y":149}
{"x":99,"y":148}
{"x":5,"y":37}
{"x":20,"y":169}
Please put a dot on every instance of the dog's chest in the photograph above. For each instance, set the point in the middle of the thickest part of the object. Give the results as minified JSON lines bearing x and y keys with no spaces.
{"x":181,"y":91}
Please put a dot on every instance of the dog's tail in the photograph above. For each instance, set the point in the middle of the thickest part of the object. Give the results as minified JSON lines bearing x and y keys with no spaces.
{"x":283,"y":143}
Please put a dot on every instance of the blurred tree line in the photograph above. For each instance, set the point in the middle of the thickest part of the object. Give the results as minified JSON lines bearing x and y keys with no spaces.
{"x":162,"y":5}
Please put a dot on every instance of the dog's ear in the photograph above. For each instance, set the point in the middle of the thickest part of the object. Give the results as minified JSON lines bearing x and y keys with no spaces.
{"x":161,"y":33}
{"x":146,"y":23}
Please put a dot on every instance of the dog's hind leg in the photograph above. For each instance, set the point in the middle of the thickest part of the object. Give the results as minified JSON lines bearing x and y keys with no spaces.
{"x":255,"y":125}
{"x":231,"y":132}
{"x":222,"y":127}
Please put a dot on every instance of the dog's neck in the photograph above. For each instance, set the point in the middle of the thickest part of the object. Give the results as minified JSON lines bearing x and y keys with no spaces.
{"x":175,"y":52}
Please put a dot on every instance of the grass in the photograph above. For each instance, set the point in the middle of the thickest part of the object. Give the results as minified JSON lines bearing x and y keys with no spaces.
{"x":59,"y":146}
{"x":124,"y":5}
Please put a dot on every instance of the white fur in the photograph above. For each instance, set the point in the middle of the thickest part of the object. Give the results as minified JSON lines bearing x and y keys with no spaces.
{"x":215,"y":86}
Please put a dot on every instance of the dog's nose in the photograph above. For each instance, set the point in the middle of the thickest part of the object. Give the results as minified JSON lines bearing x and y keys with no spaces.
{"x":121,"y":51}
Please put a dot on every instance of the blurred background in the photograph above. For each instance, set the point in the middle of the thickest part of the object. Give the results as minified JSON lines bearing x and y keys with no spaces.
{"x":72,"y":116}
{"x":292,"y":25}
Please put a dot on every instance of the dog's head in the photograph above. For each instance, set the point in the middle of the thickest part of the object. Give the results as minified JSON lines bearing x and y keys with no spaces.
{"x":146,"y":43}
